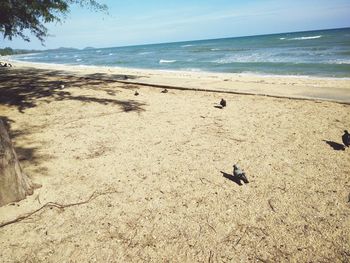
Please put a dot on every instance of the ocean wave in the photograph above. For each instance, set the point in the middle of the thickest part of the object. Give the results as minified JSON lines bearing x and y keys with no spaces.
{"x":210,"y":49}
{"x":29,"y":58}
{"x":305,"y":38}
{"x":98,"y":51}
{"x":187,"y":45}
{"x":166,"y":61}
{"x":201,"y":49}
{"x":265,"y":59}
{"x":290,"y":58}
{"x":245,"y":58}
{"x":26,"y":55}
{"x":145,"y":53}
{"x":78,"y":59}
{"x":344,"y":53}
{"x":339,"y":62}
{"x":110,"y":54}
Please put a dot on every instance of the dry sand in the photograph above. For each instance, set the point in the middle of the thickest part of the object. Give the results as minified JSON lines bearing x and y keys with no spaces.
{"x":157,"y":161}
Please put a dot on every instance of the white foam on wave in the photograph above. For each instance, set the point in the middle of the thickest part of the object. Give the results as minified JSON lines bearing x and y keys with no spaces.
{"x":246,"y":58}
{"x":98,"y":51}
{"x":305,"y":38}
{"x":339,"y":62}
{"x":28,"y":58}
{"x":166,"y":61}
{"x":25,"y":55}
{"x":110,"y":54}
{"x":282,"y":38}
{"x":215,"y":49}
{"x":187,"y":45}
{"x":78,"y":59}
{"x":145,"y":53}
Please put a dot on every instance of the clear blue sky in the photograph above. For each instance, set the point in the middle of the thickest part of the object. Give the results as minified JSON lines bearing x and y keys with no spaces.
{"x":133,"y":22}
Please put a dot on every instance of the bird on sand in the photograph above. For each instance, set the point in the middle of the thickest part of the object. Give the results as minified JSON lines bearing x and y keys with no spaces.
{"x":136,"y":93}
{"x":164,"y":91}
{"x":223,"y":103}
{"x":237,"y":172}
{"x":346,"y":138}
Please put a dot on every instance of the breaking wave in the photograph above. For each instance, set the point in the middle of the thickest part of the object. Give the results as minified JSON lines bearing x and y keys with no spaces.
{"x":166,"y":61}
{"x":304,"y":38}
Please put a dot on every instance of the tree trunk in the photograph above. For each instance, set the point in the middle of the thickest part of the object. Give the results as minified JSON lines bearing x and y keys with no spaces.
{"x":14,"y":184}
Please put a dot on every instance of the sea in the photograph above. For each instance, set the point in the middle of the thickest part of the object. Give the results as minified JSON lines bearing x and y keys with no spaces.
{"x":321,"y":53}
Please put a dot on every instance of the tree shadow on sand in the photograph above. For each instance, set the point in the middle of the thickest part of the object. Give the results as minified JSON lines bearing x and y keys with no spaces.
{"x":22,"y":88}
{"x":336,"y":146}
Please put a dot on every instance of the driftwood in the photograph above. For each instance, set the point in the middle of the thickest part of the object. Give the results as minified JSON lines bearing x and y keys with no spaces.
{"x":14,"y":184}
{"x":56,"y":205}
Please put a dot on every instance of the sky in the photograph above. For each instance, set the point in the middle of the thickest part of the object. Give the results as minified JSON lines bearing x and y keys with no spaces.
{"x":135,"y":22}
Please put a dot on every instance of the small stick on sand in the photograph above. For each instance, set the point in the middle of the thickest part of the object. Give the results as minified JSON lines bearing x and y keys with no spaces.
{"x":271,"y":206}
{"x":211,"y":255}
{"x":239,"y":239}
{"x":57,"y":205}
{"x":210,"y":225}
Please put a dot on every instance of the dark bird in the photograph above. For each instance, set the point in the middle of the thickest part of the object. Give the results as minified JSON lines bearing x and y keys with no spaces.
{"x":164,"y":91}
{"x":346,"y":138}
{"x":136,"y":93}
{"x":223,"y":103}
{"x":238,"y":173}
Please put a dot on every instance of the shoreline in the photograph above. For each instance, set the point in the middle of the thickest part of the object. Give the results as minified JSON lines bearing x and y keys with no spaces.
{"x":292,"y":87}
{"x":199,"y":72}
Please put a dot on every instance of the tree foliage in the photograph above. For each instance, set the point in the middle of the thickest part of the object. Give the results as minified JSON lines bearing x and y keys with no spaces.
{"x":19,"y":17}
{"x":9,"y":51}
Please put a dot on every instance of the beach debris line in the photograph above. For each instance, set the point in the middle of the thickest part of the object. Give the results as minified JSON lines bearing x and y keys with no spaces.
{"x":240,"y":174}
{"x":164,"y":91}
{"x":346,"y":138}
{"x":136,"y":93}
{"x":223,"y":103}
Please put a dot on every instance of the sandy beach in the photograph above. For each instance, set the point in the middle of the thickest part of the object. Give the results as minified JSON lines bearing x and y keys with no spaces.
{"x":154,"y":171}
{"x":298,"y":87}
